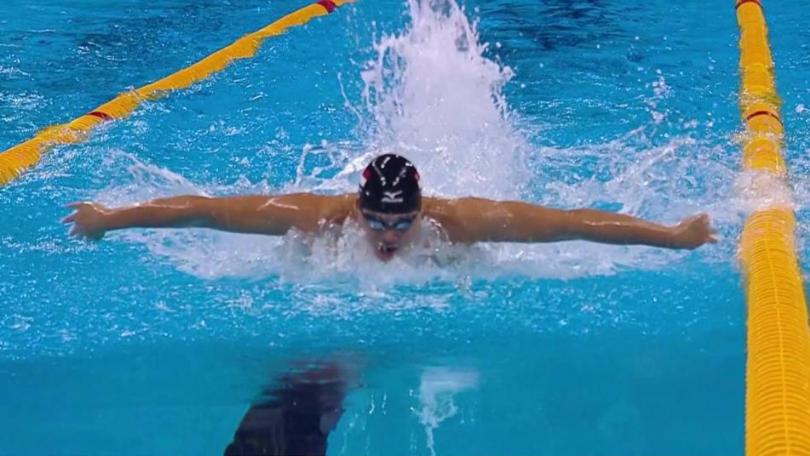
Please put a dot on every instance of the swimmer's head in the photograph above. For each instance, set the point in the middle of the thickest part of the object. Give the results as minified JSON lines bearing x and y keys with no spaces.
{"x":390,"y":200}
{"x":390,"y":185}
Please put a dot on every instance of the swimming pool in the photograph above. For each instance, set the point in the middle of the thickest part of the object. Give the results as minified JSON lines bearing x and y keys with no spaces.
{"x":156,"y":342}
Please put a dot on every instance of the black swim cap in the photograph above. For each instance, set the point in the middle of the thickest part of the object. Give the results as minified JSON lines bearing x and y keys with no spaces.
{"x":390,"y":184}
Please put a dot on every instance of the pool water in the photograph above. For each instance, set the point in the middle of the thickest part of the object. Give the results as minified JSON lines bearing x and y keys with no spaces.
{"x":157,"y":341}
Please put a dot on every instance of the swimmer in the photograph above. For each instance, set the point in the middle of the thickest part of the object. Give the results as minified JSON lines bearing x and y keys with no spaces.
{"x":389,"y":207}
{"x":294,"y":418}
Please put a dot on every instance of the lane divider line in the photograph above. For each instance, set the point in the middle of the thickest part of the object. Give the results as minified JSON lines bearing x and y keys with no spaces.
{"x":763,"y":113}
{"x":777,"y":381}
{"x":17,"y":159}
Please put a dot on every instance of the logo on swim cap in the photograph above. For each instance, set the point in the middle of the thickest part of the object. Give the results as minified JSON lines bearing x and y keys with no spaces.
{"x":392,"y":197}
{"x":390,"y":183}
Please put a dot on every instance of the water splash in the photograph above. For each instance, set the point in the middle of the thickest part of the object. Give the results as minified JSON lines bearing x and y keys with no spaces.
{"x":660,"y":92}
{"x":437,"y":390}
{"x":434,"y":97}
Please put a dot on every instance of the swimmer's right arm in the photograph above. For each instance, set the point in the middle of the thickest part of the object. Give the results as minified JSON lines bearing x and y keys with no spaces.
{"x":258,"y":214}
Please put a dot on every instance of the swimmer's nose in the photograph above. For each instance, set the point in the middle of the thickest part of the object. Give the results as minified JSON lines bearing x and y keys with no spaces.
{"x":391,"y":236}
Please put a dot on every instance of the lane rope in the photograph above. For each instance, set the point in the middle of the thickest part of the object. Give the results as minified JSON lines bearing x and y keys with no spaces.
{"x":777,"y":392}
{"x":17,"y":159}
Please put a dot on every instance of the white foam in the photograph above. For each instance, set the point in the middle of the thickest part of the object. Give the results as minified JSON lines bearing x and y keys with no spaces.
{"x":436,"y":99}
{"x":762,"y":190}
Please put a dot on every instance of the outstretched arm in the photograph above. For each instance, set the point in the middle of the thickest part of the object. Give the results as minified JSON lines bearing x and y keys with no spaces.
{"x":477,"y":219}
{"x":259,"y":214}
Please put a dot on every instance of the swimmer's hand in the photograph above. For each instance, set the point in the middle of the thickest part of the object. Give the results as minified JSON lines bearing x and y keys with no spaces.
{"x":693,"y":232}
{"x":87,"y":220}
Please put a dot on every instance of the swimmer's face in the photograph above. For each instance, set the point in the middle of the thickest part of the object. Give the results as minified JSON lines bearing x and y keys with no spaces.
{"x":387,"y":233}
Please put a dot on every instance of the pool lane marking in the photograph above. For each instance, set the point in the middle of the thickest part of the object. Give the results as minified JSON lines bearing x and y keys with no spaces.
{"x":101,"y":115}
{"x":742,"y":2}
{"x":329,"y":5}
{"x":763,"y":113}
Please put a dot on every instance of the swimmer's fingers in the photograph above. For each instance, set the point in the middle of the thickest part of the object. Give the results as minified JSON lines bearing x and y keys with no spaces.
{"x":74,"y":230}
{"x":713,"y":236}
{"x":84,"y":220}
{"x":69,"y":219}
{"x":711,"y":232}
{"x":79,"y":205}
{"x":79,"y":231}
{"x":706,"y":224}
{"x":76,"y":206}
{"x":694,"y":231}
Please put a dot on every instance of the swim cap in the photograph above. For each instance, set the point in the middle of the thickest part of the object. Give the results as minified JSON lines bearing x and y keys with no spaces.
{"x":390,"y":184}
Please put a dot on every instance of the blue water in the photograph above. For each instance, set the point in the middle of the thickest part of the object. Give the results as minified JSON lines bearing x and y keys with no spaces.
{"x":156,"y":342}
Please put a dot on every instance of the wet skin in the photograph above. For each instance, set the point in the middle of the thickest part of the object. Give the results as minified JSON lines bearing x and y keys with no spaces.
{"x":390,"y":236}
{"x":462,"y":220}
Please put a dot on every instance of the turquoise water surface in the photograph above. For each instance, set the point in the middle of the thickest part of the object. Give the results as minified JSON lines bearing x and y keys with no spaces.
{"x":157,"y":341}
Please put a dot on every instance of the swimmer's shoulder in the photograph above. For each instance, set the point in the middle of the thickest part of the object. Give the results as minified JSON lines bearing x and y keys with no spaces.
{"x":336,"y":209}
{"x":452,"y":215}
{"x":308,"y":209}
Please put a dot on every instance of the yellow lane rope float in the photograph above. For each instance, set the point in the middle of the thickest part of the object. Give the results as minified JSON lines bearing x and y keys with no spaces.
{"x":777,"y":420}
{"x":22,"y":156}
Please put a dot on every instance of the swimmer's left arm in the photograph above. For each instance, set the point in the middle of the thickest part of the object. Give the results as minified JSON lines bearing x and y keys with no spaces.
{"x":257,"y":214}
{"x":513,"y":221}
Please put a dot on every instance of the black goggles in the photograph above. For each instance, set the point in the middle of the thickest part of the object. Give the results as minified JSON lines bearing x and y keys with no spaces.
{"x":400,"y":224}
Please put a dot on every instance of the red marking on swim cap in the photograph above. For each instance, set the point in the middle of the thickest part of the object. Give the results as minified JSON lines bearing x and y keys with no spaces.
{"x":366,"y":176}
{"x":329,"y":5}
{"x":101,"y":115}
{"x":416,"y":175}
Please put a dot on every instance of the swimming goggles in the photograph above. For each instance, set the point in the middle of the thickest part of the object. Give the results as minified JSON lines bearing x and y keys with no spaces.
{"x":400,"y":224}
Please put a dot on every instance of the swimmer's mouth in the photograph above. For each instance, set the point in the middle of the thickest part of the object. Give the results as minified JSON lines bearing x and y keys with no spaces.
{"x":387,"y":249}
